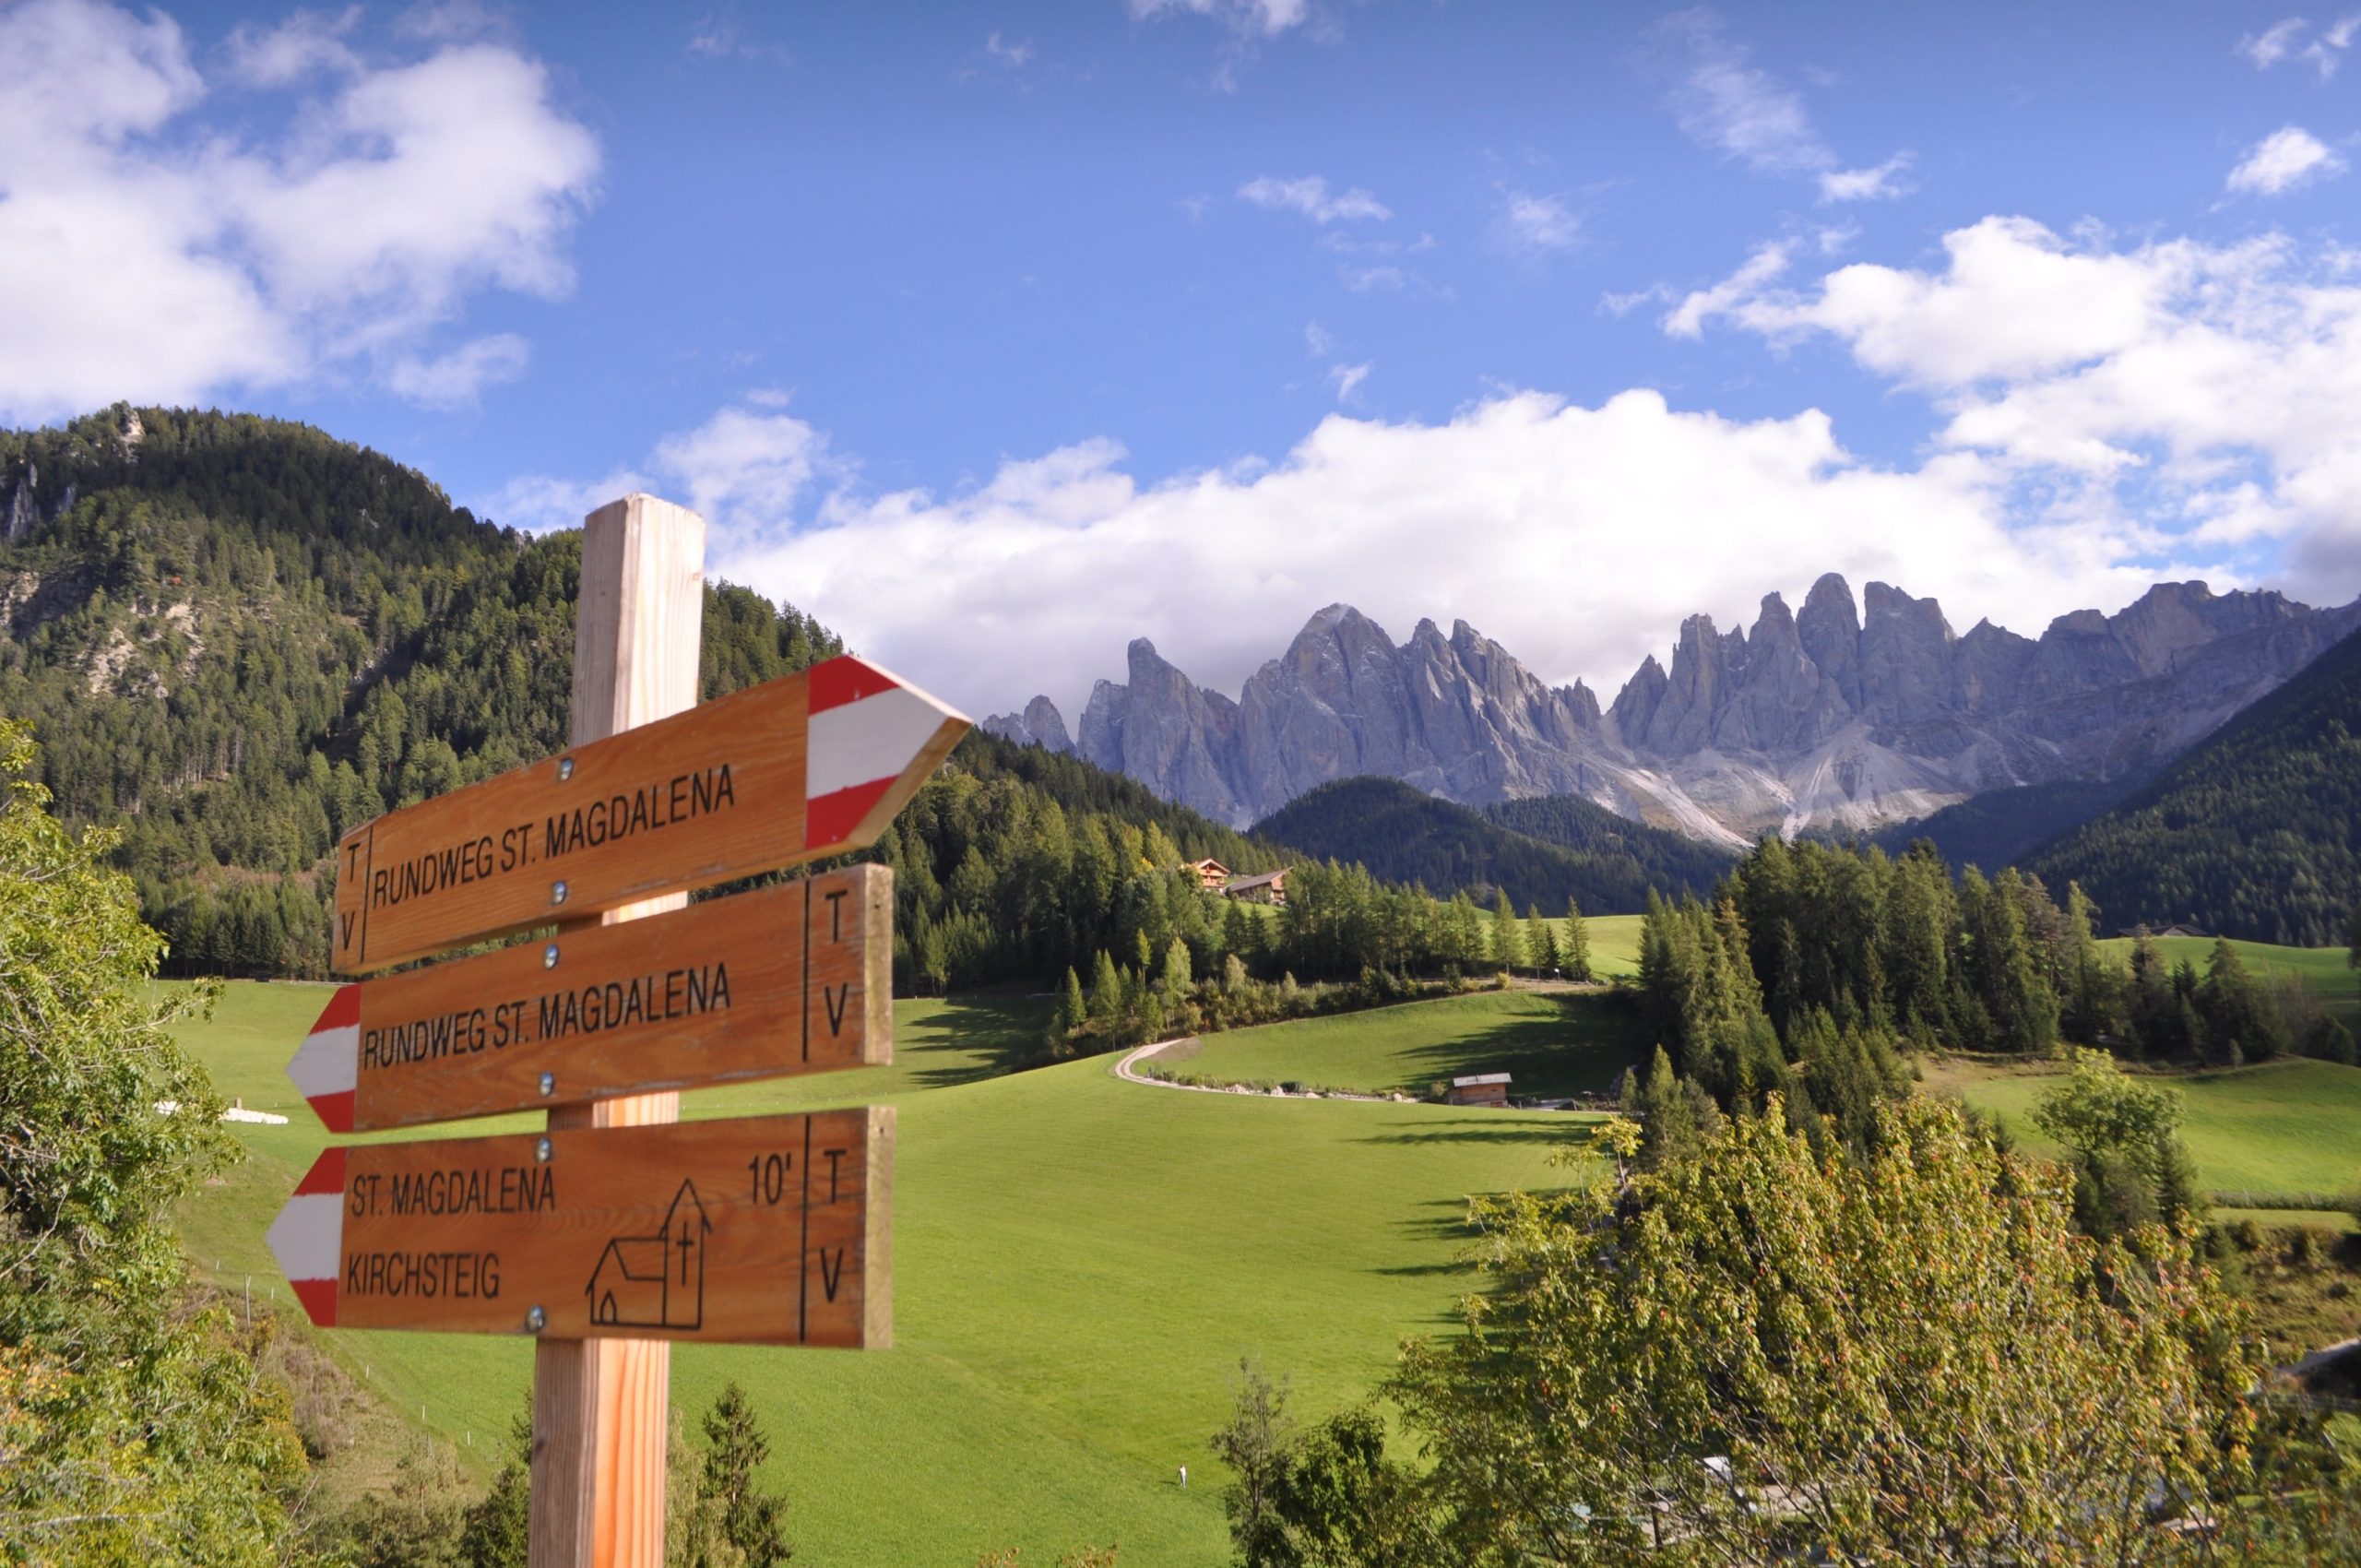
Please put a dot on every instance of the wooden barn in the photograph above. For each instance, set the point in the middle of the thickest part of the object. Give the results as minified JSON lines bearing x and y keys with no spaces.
{"x":1270,"y":887}
{"x":1480,"y":1089}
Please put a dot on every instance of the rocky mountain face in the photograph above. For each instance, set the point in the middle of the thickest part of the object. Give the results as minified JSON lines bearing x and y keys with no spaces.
{"x":1839,"y":716}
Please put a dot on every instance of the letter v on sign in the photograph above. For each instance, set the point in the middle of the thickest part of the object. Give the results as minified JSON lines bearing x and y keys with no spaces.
{"x":809,"y":764}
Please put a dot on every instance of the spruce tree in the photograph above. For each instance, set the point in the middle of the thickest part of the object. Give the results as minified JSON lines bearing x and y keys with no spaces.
{"x":1508,"y":944}
{"x":1575,"y":954}
{"x":1541,"y":941}
{"x":751,"y":1520}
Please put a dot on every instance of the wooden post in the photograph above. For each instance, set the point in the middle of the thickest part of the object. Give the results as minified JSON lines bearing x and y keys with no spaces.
{"x":600,"y":1405}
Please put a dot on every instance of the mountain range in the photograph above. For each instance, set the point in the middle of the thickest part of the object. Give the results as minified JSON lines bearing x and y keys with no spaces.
{"x":1841,"y":718}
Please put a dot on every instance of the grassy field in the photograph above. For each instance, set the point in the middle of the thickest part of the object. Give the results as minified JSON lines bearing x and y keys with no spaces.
{"x":2281,"y":1126}
{"x":1553,"y":1043}
{"x":2324,"y":969}
{"x":1079,"y":1264}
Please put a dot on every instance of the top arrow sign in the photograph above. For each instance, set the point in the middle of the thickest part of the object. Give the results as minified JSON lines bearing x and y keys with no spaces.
{"x":805,"y":766}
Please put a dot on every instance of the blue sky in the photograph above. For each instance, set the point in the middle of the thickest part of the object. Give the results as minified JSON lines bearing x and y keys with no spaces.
{"x":997,"y":335}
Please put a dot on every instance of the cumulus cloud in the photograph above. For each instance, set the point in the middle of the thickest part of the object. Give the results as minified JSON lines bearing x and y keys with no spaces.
{"x":148,"y":253}
{"x":1310,"y":196}
{"x":1543,"y":522}
{"x":2285,"y":158}
{"x":2211,"y":392}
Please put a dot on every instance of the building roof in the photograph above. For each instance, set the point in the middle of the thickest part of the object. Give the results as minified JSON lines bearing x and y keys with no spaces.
{"x":1262,"y":880}
{"x":1472,"y":1081}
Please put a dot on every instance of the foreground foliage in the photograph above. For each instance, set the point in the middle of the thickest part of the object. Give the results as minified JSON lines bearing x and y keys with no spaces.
{"x":1770,"y":1353}
{"x":131,"y":1425}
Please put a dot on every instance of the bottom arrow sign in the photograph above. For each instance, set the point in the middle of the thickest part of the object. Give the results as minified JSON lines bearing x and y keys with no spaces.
{"x":768,"y":1229}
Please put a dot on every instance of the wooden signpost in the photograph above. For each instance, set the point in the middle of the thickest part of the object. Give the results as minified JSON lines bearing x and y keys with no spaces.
{"x":792,"y":978}
{"x":619,"y":1229}
{"x":773,"y":775}
{"x":762,"y":1231}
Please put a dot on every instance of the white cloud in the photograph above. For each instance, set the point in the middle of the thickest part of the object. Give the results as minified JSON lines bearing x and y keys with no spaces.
{"x":145,"y":253}
{"x":1347,"y":379}
{"x":1310,"y":196}
{"x":2273,"y":43}
{"x":1740,"y":289}
{"x":1882,"y":183}
{"x":1729,"y":105}
{"x":1536,"y":226}
{"x":2212,"y":392}
{"x":1264,"y":19}
{"x":1724,"y":103}
{"x":2279,"y":40}
{"x":1541,"y":522}
{"x":305,"y":45}
{"x":746,"y":468}
{"x":455,"y":380}
{"x":1015,"y":54}
{"x":2285,"y":158}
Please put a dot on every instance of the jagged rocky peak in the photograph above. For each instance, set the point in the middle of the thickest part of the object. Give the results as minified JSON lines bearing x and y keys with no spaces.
{"x":1833,"y":714}
{"x":1040,"y":724}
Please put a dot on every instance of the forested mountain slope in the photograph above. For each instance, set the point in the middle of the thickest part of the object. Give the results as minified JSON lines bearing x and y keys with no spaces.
{"x":2256,"y":833}
{"x":237,"y":637}
{"x":1403,"y":834}
{"x":2000,"y":827}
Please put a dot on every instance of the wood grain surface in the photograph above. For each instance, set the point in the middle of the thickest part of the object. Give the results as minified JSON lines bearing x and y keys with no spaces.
{"x":782,"y":981}
{"x":705,"y":796}
{"x":768,"y":1229}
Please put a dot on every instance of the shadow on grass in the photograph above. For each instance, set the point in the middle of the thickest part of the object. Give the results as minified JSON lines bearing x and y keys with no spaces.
{"x":1580,"y":1046}
{"x":980,"y":1037}
{"x":1488,"y":1128}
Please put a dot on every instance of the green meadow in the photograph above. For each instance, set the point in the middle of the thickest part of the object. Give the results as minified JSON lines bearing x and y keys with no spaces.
{"x":1550,"y":1042}
{"x":2324,"y":969}
{"x":2278,"y":1127}
{"x":1080,"y":1263}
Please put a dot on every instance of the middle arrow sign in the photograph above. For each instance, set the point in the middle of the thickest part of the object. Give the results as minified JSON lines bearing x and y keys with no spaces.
{"x":787,"y":980}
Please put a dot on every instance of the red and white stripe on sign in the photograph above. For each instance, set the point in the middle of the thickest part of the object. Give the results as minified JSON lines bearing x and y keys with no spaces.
{"x":327,"y":1064}
{"x":865,"y":727}
{"x":308,"y":1236}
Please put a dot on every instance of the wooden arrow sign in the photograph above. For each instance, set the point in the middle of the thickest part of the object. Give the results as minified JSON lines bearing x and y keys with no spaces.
{"x":795,"y":768}
{"x":786,"y":980}
{"x":764,"y":1230}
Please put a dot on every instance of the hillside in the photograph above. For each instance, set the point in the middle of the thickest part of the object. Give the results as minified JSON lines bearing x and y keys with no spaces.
{"x":1669,"y":860}
{"x":1402,"y":833}
{"x":2000,"y":827}
{"x":2256,"y":833}
{"x":237,"y":637}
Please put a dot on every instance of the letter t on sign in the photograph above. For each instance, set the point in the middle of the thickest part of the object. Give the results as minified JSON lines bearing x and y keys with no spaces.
{"x":600,"y":1405}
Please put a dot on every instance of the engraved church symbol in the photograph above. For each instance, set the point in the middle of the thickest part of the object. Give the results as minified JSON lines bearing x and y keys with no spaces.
{"x":655,"y":1281}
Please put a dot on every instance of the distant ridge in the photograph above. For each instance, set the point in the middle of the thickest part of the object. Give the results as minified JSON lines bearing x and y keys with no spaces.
{"x":1402,"y":833}
{"x":2256,"y":833}
{"x":1837,"y":719}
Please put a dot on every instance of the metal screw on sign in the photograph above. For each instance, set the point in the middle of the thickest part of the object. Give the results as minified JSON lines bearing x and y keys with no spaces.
{"x":564,"y":767}
{"x":557,"y":892}
{"x":536,"y":1320}
{"x":549,"y":1085}
{"x":549,"y":954}
{"x":541,"y":1150}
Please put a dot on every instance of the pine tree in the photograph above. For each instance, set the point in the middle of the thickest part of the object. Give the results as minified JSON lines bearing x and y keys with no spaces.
{"x":1541,"y":942}
{"x":1106,"y":990}
{"x":1507,"y":944}
{"x":1076,"y":1008}
{"x":496,"y":1532}
{"x":1576,"y":951}
{"x":753,"y":1520}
